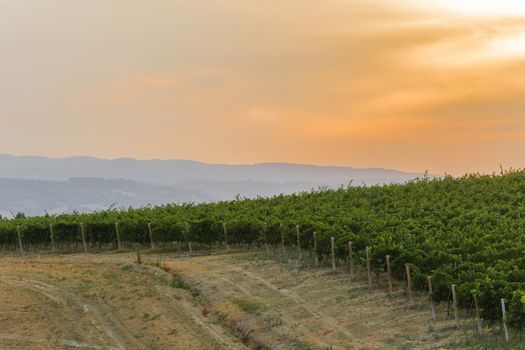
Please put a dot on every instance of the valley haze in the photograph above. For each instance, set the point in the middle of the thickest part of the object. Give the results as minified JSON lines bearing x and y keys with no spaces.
{"x":36,"y":185}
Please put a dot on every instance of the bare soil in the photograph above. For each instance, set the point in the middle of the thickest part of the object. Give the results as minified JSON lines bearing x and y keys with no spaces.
{"x":222,"y":301}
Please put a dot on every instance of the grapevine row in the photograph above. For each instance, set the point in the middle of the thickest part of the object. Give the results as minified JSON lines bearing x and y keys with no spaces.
{"x":467,"y":231}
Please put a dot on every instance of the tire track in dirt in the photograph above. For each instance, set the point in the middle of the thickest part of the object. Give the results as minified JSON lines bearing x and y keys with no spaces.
{"x":41,"y":340}
{"x":376,"y":321}
{"x":102,"y":302}
{"x":322,"y":317}
{"x":103,"y":320}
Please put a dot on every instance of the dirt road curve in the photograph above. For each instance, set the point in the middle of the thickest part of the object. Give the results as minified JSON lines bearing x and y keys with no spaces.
{"x":234,"y":301}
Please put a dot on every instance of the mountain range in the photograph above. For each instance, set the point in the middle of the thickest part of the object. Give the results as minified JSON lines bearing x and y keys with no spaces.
{"x":35,"y":185}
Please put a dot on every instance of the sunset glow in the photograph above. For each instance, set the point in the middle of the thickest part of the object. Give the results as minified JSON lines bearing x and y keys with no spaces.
{"x":410,"y":85}
{"x":512,"y":45}
{"x":482,"y":7}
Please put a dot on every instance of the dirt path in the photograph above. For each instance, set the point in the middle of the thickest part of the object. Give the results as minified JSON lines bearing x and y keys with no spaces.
{"x":96,"y":302}
{"x":232,"y":301}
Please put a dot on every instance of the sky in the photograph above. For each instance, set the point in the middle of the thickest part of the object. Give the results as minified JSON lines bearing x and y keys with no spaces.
{"x":434,"y":85}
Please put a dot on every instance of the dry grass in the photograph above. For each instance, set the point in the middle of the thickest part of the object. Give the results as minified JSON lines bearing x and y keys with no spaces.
{"x":233,"y":300}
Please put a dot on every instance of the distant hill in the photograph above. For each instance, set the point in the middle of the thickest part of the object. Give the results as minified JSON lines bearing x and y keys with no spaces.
{"x":177,"y":171}
{"x":37,"y":184}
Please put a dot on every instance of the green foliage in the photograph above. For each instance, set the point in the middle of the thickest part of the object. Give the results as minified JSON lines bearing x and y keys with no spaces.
{"x":516,"y":314}
{"x":177,"y":282}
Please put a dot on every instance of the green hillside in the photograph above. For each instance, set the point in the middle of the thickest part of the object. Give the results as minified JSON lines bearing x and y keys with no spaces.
{"x":468,"y":231}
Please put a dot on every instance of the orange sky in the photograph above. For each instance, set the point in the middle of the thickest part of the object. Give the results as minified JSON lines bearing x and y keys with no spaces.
{"x":411,"y":85}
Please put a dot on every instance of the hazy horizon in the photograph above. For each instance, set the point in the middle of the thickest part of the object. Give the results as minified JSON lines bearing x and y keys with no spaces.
{"x":200,"y":161}
{"x":37,"y":185}
{"x":496,"y":169}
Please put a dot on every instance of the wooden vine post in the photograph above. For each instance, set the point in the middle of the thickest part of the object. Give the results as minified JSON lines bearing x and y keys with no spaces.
{"x":265,"y":229}
{"x":225,"y":229}
{"x":281,"y":229}
{"x":409,"y":285}
{"x":504,"y":319}
{"x":19,"y":234}
{"x":351,"y":258}
{"x":478,"y":318}
{"x":332,"y":246}
{"x":52,"y":236}
{"x":369,"y":268}
{"x":119,"y":244}
{"x":150,"y":233}
{"x":430,"y":298}
{"x":83,"y":234}
{"x":389,"y":276}
{"x":315,"y":250}
{"x":297,"y":231}
{"x":455,"y":305}
{"x":190,"y":251}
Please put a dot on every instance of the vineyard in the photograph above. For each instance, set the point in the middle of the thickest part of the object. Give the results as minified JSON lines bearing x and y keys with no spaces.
{"x":468,"y":232}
